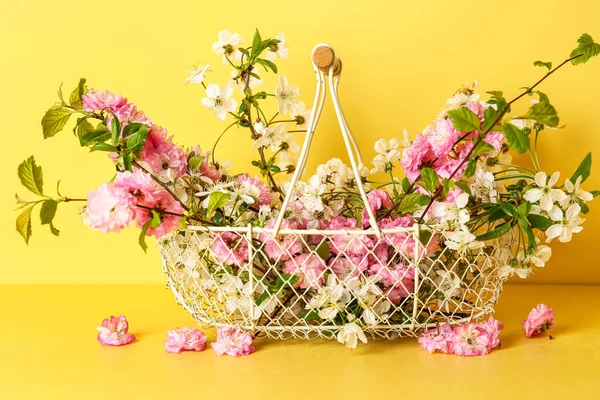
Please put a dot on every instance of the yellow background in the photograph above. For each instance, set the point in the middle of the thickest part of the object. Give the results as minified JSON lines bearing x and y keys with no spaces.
{"x":401,"y":61}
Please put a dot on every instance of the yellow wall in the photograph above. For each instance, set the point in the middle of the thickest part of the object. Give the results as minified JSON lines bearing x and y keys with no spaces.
{"x":401,"y":60}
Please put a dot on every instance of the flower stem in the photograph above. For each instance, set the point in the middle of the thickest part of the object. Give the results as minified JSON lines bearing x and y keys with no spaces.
{"x":161,"y":183}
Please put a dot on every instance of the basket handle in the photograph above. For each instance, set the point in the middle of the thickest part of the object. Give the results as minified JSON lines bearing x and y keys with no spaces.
{"x":324,"y":61}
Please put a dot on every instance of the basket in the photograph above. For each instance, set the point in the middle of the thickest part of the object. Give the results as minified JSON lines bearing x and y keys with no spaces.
{"x":394,"y":281}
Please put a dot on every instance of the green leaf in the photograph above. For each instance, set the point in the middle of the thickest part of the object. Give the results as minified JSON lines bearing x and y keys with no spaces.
{"x":47,"y":213}
{"x":256,"y":44}
{"x":98,"y":135}
{"x":447,"y":185}
{"x":82,"y":127}
{"x":31,"y":176}
{"x":539,"y":222}
{"x":544,"y":113}
{"x":464,"y":186}
{"x":103,"y":147}
{"x":216,"y":200}
{"x":285,"y":280}
{"x":509,"y":209}
{"x":489,"y":118}
{"x":496,"y":233}
{"x":482,"y":147}
{"x":76,"y":96}
{"x":543,"y":64}
{"x":471,"y":167}
{"x":136,"y":141}
{"x":425,"y":236}
{"x":115,"y":128}
{"x":323,"y":250}
{"x":524,"y":209}
{"x":194,"y":162}
{"x":309,"y":315}
{"x":496,"y":214}
{"x":410,"y":203}
{"x":127,"y":162}
{"x":142,"y":237}
{"x":524,"y":224}
{"x":584,"y":169}
{"x":155,"y":222}
{"x":24,"y":223}
{"x":267,"y":64}
{"x":405,"y":185}
{"x":429,"y":179}
{"x":586,"y":49}
{"x":55,"y":120}
{"x":464,"y":120}
{"x":60,"y":95}
{"x":260,"y":299}
{"x":516,"y":138}
{"x":595,"y":193}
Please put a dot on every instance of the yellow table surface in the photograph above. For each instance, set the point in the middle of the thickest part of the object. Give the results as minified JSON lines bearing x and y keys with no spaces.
{"x":48,"y":350}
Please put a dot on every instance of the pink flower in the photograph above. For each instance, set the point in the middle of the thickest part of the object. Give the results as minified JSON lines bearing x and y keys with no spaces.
{"x":445,"y":166}
{"x":352,"y":246}
{"x":468,"y":340}
{"x":109,"y":209}
{"x":476,"y":107}
{"x":540,"y":320}
{"x":438,"y":339}
{"x":233,"y":341}
{"x":167,"y":208}
{"x":165,"y":159}
{"x":113,"y":331}
{"x":495,"y":139}
{"x":183,"y":339}
{"x":230,"y":248}
{"x":442,"y":137}
{"x":207,"y":168}
{"x":343,"y":267}
{"x":130,"y":114}
{"x":139,"y":184}
{"x":413,"y":157}
{"x":378,"y":199}
{"x":255,"y":185}
{"x":491,"y":328}
{"x":283,"y":247}
{"x":309,"y":268}
{"x":94,"y":100}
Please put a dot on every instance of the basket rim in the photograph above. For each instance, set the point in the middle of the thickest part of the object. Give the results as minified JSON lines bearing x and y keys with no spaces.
{"x":252,"y":229}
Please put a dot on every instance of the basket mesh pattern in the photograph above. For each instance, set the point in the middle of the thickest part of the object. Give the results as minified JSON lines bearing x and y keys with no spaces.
{"x":305,"y":283}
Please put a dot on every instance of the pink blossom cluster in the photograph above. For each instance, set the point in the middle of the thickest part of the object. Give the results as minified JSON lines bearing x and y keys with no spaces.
{"x":132,"y":196}
{"x":437,"y":147}
{"x":162,"y":156}
{"x":95,"y":101}
{"x":233,"y":341}
{"x":185,"y":339}
{"x":114,"y":331}
{"x":464,"y":340}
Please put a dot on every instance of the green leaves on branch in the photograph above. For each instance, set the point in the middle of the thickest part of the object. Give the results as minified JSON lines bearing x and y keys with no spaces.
{"x":58,"y":115}
{"x":216,"y":200}
{"x":429,"y":179}
{"x":412,"y":202}
{"x":584,"y":169}
{"x":31,"y":176}
{"x":47,"y":213}
{"x":585,"y":50}
{"x":516,"y":138}
{"x":464,"y":120}
{"x":543,"y":112}
{"x":543,"y":64}
{"x":500,"y":230}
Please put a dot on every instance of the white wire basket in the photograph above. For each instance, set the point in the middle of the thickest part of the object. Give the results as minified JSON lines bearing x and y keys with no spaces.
{"x":304,"y":283}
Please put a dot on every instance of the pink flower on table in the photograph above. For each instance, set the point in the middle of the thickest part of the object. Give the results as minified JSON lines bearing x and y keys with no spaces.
{"x":491,"y":328}
{"x":164,"y":158}
{"x":256,"y":187}
{"x":309,"y":268}
{"x":438,"y":339}
{"x":540,"y":320}
{"x":378,"y":199}
{"x":113,"y":331}
{"x":109,"y":209}
{"x":469,"y":341}
{"x":233,"y":341}
{"x":230,"y":248}
{"x":94,"y":100}
{"x":167,"y":208}
{"x":282,"y":247}
{"x":184,"y":339}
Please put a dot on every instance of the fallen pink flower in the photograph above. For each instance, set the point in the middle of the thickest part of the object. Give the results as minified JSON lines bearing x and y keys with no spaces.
{"x":113,"y":331}
{"x":438,"y":339}
{"x":491,"y":328}
{"x":233,"y":341}
{"x":469,"y":341}
{"x":185,"y":339}
{"x":540,"y":320}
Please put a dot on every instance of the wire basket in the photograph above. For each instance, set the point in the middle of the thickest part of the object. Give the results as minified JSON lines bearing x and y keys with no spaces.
{"x":305,"y":283}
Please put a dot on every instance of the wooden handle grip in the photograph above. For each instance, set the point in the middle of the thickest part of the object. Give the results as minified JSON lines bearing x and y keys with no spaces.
{"x":324,"y":57}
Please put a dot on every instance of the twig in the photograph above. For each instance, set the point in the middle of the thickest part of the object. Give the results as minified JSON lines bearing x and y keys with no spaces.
{"x":161,"y":183}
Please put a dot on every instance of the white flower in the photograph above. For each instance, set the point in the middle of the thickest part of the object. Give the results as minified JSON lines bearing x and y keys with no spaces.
{"x":522,"y":123}
{"x":259,"y":127}
{"x":197,"y":74}
{"x":462,"y":240}
{"x":310,"y":194}
{"x":272,"y":137}
{"x":545,"y":191}
{"x":454,"y":213}
{"x":280,"y":49}
{"x":383,"y":162}
{"x":370,"y":298}
{"x":219,"y":99}
{"x":541,"y":257}
{"x":449,"y":284}
{"x":286,"y":160}
{"x":349,"y":335}
{"x":382,"y":146}
{"x":483,"y":185}
{"x":301,"y":115}
{"x":286,"y":95}
{"x":566,"y":226}
{"x":575,"y":193}
{"x":330,"y":299}
{"x":405,"y":139}
{"x":227,"y":46}
{"x":288,"y":142}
